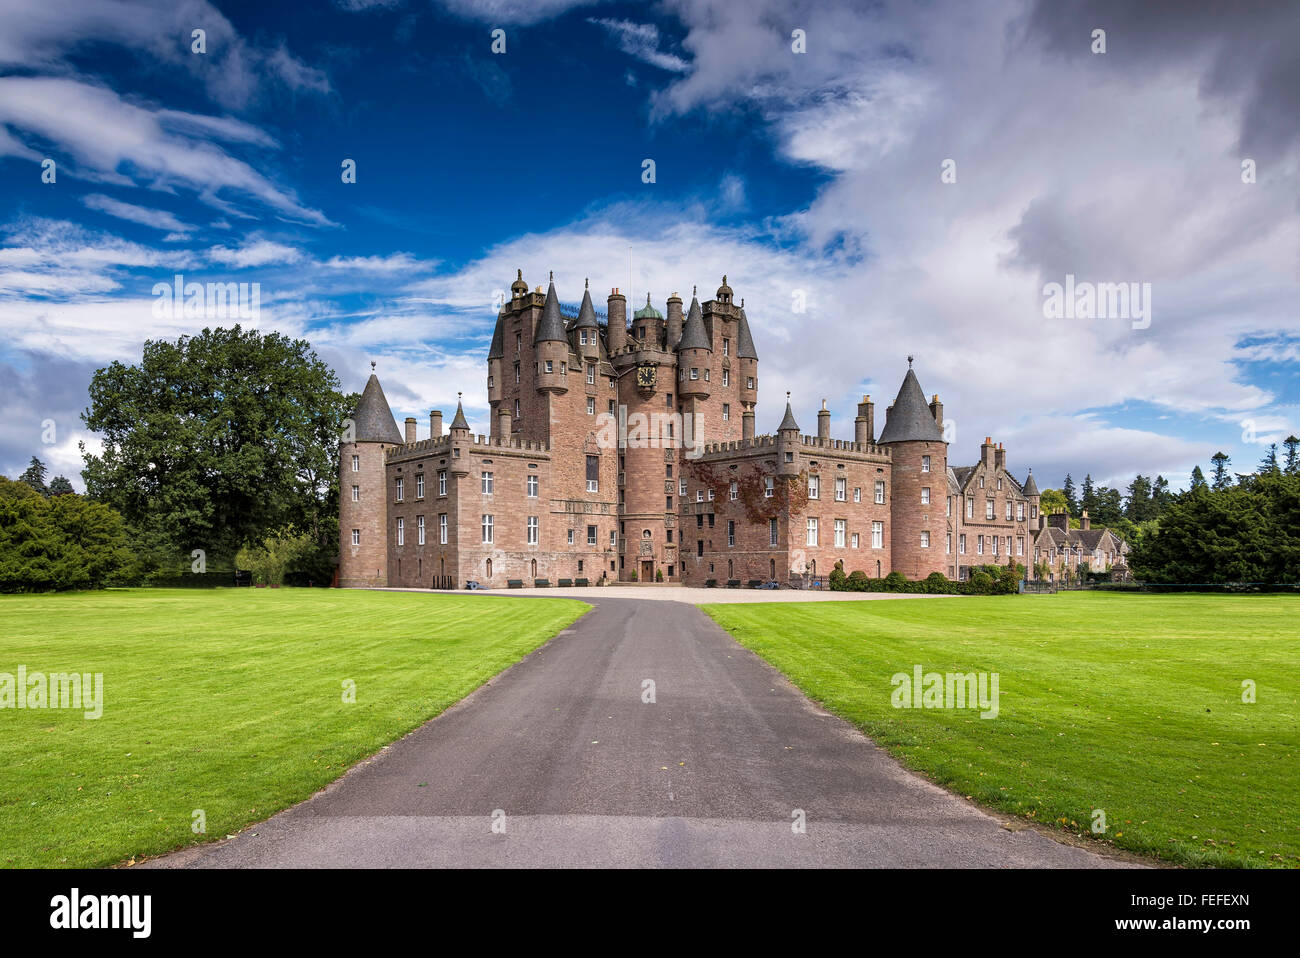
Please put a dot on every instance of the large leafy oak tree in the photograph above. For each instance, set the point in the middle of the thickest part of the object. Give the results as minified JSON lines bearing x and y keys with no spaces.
{"x":219,"y":439}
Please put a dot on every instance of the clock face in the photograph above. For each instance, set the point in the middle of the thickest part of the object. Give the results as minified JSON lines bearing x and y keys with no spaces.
{"x":645,"y":376}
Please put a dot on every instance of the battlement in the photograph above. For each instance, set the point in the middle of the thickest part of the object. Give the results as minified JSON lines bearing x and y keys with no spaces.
{"x":443,"y":444}
{"x":766,"y":443}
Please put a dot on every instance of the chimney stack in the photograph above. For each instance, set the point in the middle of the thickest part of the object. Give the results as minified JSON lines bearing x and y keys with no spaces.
{"x":435,"y":423}
{"x":864,"y":427}
{"x":504,"y":421}
{"x":1083,"y":521}
{"x":823,"y":422}
{"x":936,"y":410}
{"x":747,"y":422}
{"x":986,"y":453}
{"x":1000,"y":457}
{"x":410,"y":430}
{"x":616,"y":335}
{"x":674,"y":321}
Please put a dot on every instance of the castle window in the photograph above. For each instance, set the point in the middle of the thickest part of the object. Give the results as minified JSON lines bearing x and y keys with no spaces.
{"x":570,"y":537}
{"x":681,"y":487}
{"x":487,"y":530}
{"x":356,"y":463}
{"x":857,"y":493}
{"x":516,"y":374}
{"x":947,"y":544}
{"x":591,"y":374}
{"x":699,"y":495}
{"x":925,"y":495}
{"x":488,"y":483}
{"x":812,"y":531}
{"x":995,"y":544}
{"x":789,"y":457}
{"x":593,"y":473}
{"x":582,"y":337}
{"x":516,"y":410}
{"x":613,"y":538}
{"x":772,"y":532}
{"x":668,"y":470}
{"x":970,"y":508}
{"x":733,"y":492}
{"x":591,"y":406}
{"x":549,"y":366}
{"x":925,"y":539}
{"x":880,"y":492}
{"x":979,"y":545}
{"x":981,"y":482}
{"x":726,"y":347}
{"x":668,"y":503}
{"x":877,"y":535}
{"x":925,"y":463}
{"x":356,"y":537}
{"x":854,"y":540}
{"x":947,"y":506}
{"x":591,"y":535}
{"x":841,"y":489}
{"x":356,"y":493}
{"x":814,"y":486}
{"x":532,"y":487}
{"x":1008,"y":510}
{"x":841,"y":529}
{"x":699,"y":520}
{"x":1020,"y":545}
{"x":532,"y":530}
{"x":1020,"y":511}
{"x":726,"y":411}
{"x":769,"y":487}
{"x":442,"y":482}
{"x":961,"y":544}
{"x":695,"y":374}
{"x":999,"y":485}
{"x":988,"y":509}
{"x":491,"y":382}
{"x":401,"y":531}
{"x":726,"y":377}
{"x":731,"y":533}
{"x":399,"y":490}
{"x":710,"y":495}
{"x":611,"y":407}
{"x":1033,"y":512}
{"x":706,"y":375}
{"x":419,"y":486}
{"x":749,"y":382}
{"x":668,"y":400}
{"x":419,"y":530}
{"x":669,"y":534}
{"x":519,"y":342}
{"x":442,"y":528}
{"x":564,"y":368}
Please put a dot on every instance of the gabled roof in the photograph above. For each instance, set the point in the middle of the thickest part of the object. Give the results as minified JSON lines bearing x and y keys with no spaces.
{"x":909,"y":419}
{"x":372,"y":419}
{"x":459,"y":422}
{"x":745,"y":341}
{"x":551,"y":327}
{"x":693,"y":334}
{"x":962,"y":473}
{"x":788,"y":422}
{"x":586,"y":313}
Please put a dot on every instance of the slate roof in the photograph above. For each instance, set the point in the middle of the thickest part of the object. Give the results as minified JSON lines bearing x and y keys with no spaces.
{"x":1031,"y":487}
{"x":459,"y":422}
{"x":372,"y":419}
{"x":498,"y":349}
{"x":586,"y":313}
{"x":693,"y":334}
{"x":909,"y":419}
{"x":744,"y":340}
{"x":551,"y":327}
{"x":788,"y":422}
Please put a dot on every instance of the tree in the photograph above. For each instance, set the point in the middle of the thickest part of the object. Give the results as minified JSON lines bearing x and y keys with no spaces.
{"x":1138,"y":506}
{"x":1269,"y":463}
{"x":1070,"y":501}
{"x":1198,"y":479}
{"x":1222,"y":479}
{"x":1051,"y":501}
{"x":64,"y":542}
{"x":60,"y":486}
{"x":1161,"y":497}
{"x":218,"y":439}
{"x":271,"y":558}
{"x":1089,"y":499}
{"x":1292,"y":464}
{"x":34,"y":476}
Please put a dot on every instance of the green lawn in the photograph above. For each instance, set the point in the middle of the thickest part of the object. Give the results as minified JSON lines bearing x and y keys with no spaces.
{"x":226,"y":701}
{"x":1129,"y":704}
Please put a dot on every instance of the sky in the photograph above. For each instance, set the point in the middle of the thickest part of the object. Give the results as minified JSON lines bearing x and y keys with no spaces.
{"x":876,"y":180}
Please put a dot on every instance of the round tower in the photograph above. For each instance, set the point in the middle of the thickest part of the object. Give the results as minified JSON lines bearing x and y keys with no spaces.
{"x":552,"y":346}
{"x":363,"y":499}
{"x":918,"y":482}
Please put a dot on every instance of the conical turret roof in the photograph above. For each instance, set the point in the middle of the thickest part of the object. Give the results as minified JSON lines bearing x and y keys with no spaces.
{"x":744,"y":340}
{"x":551,"y":327}
{"x":1030,"y":487}
{"x":909,"y":419}
{"x":586,"y":313}
{"x":693,"y":334}
{"x":498,"y":349}
{"x":372,"y":419}
{"x":459,"y":422}
{"x":788,"y":422}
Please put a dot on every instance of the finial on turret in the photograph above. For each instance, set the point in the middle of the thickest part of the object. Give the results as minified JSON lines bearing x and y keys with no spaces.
{"x":586,"y":283}
{"x":724,"y":279}
{"x":909,"y":362}
{"x":823,"y":403}
{"x":372,"y":365}
{"x":519,"y":274}
{"x":552,"y":276}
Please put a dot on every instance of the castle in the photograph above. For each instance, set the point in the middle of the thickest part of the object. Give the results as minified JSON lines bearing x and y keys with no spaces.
{"x":627,"y":453}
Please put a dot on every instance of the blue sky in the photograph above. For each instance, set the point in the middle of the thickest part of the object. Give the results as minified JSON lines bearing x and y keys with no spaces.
{"x":808,"y":176}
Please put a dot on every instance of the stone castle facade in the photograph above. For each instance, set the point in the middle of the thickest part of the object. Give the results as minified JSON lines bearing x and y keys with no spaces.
{"x":627,"y":452}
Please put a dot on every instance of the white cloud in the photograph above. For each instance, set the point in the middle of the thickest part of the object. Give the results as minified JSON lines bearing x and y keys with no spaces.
{"x":641,"y":40}
{"x":158,"y":219}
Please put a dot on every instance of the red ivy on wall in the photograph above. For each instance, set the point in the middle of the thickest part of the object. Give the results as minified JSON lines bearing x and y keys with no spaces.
{"x":789,"y":495}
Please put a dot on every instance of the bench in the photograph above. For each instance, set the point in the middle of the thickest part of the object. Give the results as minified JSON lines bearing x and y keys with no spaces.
{"x":755,"y":583}
{"x":580,"y":582}
{"x":710,"y":583}
{"x":565,"y":583}
{"x":733,"y":583}
{"x":542,"y":583}
{"x":515,"y":583}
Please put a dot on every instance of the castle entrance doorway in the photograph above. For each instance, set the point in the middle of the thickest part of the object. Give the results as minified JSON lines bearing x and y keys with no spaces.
{"x":647,"y":570}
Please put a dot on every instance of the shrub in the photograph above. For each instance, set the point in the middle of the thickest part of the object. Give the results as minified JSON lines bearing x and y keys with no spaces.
{"x":895,"y":582}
